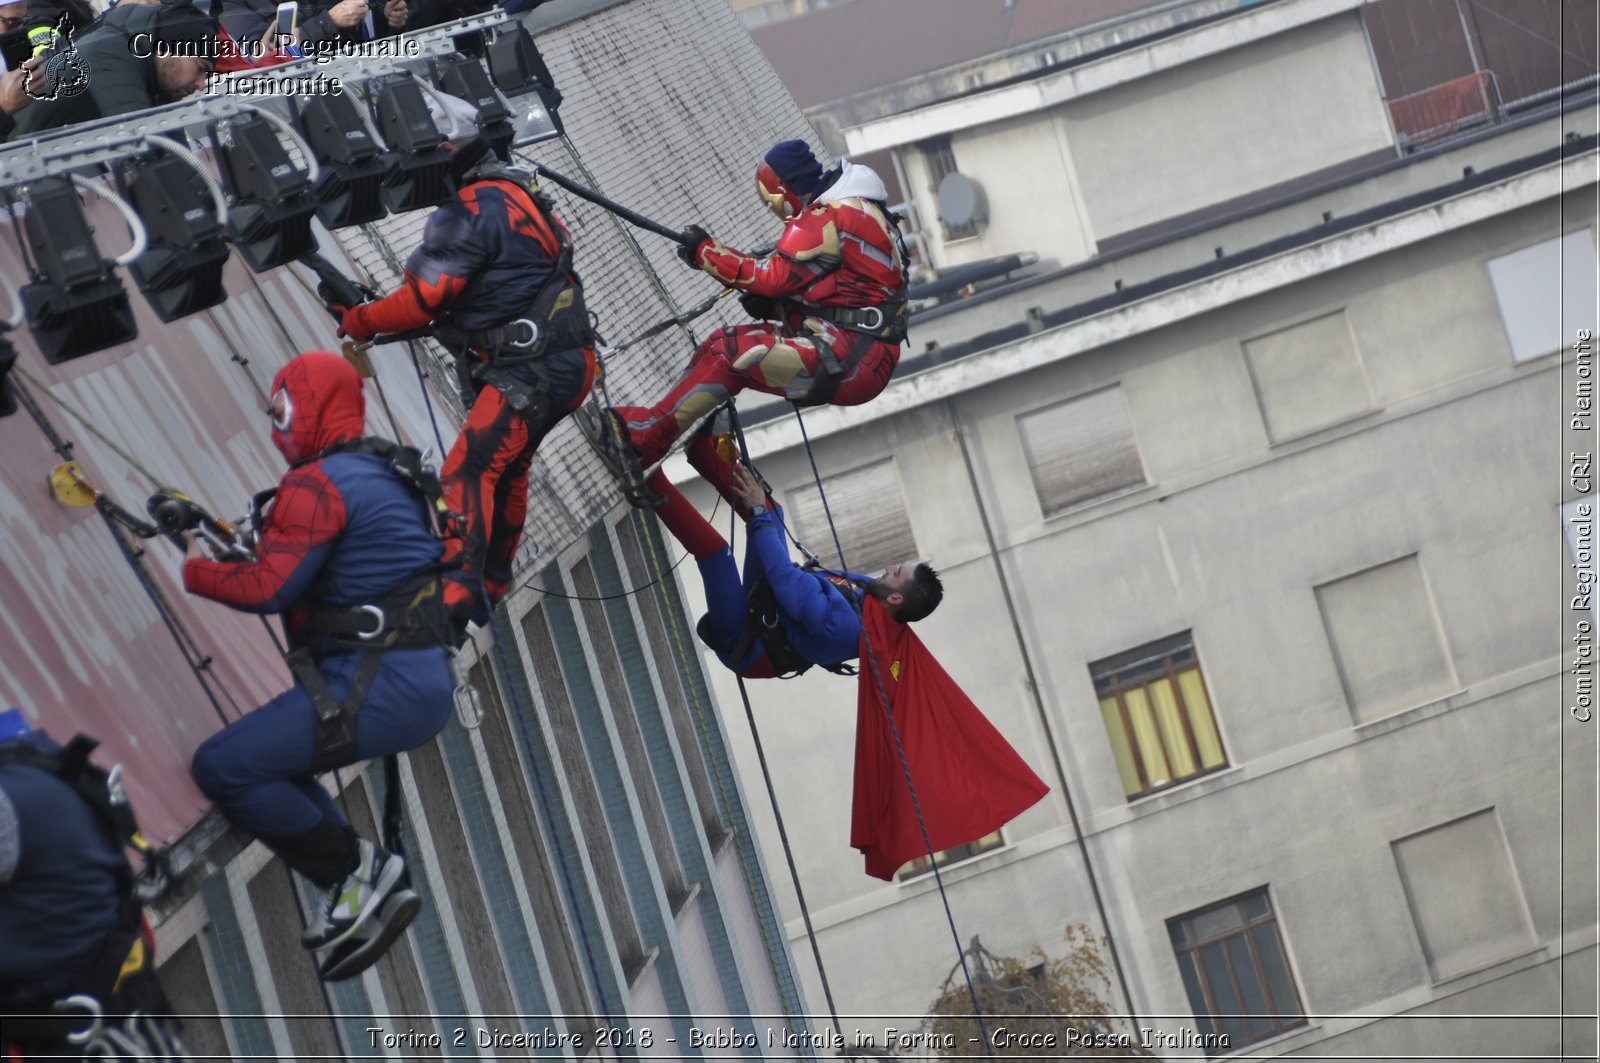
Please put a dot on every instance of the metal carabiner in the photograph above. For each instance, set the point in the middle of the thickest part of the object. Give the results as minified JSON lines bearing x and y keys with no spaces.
{"x":532,"y":330}
{"x":96,"y":1017}
{"x":876,"y":323}
{"x":376,"y":612}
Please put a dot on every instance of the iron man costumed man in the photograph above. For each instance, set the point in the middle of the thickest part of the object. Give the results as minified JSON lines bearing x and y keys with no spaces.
{"x":833,"y":291}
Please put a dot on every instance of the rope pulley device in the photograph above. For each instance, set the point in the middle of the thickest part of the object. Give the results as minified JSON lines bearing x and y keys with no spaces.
{"x":176,"y":513}
{"x":172,"y":513}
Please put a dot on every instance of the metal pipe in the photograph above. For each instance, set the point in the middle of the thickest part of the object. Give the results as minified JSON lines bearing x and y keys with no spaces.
{"x":614,"y":207}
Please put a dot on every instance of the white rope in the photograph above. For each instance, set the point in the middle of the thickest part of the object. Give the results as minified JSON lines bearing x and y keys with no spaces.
{"x":217,"y":198}
{"x":135,"y":224}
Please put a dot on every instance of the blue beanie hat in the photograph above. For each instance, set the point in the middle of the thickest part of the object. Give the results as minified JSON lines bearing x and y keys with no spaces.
{"x":13,"y":724}
{"x":796,"y":167}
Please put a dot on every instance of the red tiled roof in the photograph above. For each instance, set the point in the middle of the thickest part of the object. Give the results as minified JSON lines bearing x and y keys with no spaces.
{"x":1033,"y":20}
{"x":847,"y":48}
{"x":850,"y":47}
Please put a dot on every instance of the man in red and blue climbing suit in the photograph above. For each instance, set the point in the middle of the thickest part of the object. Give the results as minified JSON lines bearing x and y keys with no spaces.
{"x":780,"y":619}
{"x":833,"y":292}
{"x":349,"y":553}
{"x":494,"y":277}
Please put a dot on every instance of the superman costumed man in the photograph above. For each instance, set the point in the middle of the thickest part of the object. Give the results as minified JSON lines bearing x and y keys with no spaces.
{"x":833,"y":292}
{"x":779,"y":618}
{"x":494,"y":277}
{"x":348,"y":553}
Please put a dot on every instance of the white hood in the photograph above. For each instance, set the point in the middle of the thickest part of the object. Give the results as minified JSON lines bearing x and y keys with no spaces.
{"x":856,"y":182}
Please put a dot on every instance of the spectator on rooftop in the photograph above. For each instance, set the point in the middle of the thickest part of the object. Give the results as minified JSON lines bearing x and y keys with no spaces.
{"x":130,"y":64}
{"x":320,"y":20}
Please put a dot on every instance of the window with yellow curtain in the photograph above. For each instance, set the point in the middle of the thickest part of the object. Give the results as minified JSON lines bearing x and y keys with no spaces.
{"x":1158,"y":715}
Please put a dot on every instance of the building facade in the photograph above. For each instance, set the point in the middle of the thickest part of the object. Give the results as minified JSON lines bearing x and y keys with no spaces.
{"x":1254,"y":529}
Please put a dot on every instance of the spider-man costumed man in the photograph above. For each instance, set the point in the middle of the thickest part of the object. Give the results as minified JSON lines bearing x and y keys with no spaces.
{"x":834,"y":290}
{"x":494,"y":276}
{"x":348,"y":553}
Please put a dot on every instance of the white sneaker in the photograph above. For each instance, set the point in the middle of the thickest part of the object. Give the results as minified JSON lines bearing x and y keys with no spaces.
{"x":353,"y":903}
{"x":320,"y":929}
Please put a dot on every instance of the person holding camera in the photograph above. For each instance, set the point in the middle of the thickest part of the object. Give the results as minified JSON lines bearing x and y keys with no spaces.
{"x":319,"y":21}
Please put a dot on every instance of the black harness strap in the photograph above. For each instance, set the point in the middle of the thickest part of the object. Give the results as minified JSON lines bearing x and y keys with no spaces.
{"x":123,"y":968}
{"x":557,"y":319}
{"x":886,"y":322}
{"x":410,"y":616}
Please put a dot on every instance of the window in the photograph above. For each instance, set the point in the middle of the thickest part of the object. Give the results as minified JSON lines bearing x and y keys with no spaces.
{"x":1231,"y":958}
{"x":1465,"y":895}
{"x":1157,"y":715}
{"x":1080,"y":450}
{"x":1308,"y":376}
{"x":1546,"y":293}
{"x":1384,"y":630}
{"x":941,"y":160}
{"x":954,"y":855}
{"x":869,"y":512}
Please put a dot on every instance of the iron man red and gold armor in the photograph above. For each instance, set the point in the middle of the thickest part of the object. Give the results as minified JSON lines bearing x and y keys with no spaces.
{"x":833,"y":289}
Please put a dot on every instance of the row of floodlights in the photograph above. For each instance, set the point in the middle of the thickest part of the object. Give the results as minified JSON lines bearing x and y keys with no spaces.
{"x":384,"y":154}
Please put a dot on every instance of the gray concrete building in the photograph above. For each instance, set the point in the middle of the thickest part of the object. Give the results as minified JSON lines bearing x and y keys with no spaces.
{"x":1256,"y":517}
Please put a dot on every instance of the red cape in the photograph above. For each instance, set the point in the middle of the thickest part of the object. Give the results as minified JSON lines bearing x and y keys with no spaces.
{"x":969,"y":780}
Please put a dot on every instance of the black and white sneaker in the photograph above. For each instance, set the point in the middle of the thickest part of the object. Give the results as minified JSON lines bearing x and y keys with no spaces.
{"x":368,"y":946}
{"x":349,"y":907}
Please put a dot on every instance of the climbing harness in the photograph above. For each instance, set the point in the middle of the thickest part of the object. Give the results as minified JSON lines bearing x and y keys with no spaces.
{"x":114,"y":1012}
{"x":410,"y":616}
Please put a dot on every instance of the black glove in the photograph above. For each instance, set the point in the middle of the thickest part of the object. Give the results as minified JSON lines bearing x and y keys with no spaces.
{"x":689,"y":247}
{"x":760,"y":306}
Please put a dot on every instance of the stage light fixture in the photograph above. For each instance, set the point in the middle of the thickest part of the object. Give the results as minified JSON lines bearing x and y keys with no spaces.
{"x":354,"y":164}
{"x":76,"y":304}
{"x":420,"y":174}
{"x":181,"y":271}
{"x":270,"y":219}
{"x":465,"y":78}
{"x":520,"y":72}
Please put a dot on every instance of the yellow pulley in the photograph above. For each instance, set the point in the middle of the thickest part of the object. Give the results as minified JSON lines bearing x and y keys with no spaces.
{"x":356,"y":354}
{"x":71,"y":487}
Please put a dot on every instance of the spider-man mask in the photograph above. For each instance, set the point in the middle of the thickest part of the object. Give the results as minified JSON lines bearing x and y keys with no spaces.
{"x":316,"y":401}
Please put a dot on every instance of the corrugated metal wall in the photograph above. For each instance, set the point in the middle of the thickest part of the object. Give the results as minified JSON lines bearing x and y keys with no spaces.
{"x":583,"y":854}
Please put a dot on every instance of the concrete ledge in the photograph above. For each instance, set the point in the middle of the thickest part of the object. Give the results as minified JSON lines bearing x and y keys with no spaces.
{"x":1009,"y":101}
{"x":1184,"y":302}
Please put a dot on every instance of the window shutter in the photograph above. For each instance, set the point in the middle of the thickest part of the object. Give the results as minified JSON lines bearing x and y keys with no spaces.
{"x":1081,"y":449}
{"x":868,"y":511}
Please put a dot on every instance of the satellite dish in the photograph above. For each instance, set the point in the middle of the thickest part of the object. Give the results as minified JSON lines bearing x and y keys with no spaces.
{"x":961,"y":201}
